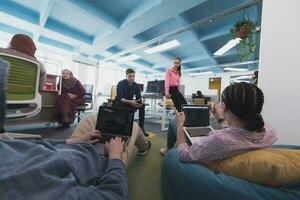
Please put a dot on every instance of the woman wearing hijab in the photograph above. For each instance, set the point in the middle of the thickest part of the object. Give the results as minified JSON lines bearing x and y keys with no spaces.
{"x":23,"y":46}
{"x":72,"y":94}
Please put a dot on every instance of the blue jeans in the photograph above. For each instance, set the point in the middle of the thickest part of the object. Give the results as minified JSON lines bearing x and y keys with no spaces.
{"x":172,"y":135}
{"x":3,"y":78}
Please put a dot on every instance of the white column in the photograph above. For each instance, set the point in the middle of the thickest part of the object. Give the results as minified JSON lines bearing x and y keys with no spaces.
{"x":279,"y":68}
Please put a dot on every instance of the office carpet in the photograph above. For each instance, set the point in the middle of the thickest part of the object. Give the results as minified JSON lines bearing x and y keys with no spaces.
{"x":144,"y":172}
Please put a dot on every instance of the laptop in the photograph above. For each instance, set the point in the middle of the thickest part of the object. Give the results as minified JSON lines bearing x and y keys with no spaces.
{"x":197,"y":123}
{"x":114,"y":122}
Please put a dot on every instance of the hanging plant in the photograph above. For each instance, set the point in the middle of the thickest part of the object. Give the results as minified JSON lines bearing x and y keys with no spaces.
{"x":244,"y":30}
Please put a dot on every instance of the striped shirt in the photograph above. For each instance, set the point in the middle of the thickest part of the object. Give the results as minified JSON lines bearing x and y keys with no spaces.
{"x":225,"y":143}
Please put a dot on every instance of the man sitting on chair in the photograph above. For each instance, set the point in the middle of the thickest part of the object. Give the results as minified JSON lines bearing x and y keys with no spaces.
{"x":126,"y":90}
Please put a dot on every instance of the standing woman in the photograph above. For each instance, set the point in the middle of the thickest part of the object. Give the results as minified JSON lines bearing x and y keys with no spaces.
{"x":72,"y":94}
{"x":172,"y":83}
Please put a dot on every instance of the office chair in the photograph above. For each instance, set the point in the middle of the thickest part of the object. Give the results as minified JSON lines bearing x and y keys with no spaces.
{"x":88,"y":99}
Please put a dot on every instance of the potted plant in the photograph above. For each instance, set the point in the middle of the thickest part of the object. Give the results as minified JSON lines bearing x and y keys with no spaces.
{"x":244,"y":30}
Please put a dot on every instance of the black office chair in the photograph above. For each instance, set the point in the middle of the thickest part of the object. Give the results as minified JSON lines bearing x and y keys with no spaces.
{"x":88,"y":101}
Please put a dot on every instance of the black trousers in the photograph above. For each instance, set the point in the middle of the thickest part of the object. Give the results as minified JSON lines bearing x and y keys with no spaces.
{"x":141,"y":111}
{"x":177,"y":98}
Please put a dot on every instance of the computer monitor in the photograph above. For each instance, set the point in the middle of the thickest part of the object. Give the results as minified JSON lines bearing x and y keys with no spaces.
{"x":141,"y":86}
{"x":161,"y":87}
{"x":151,"y":87}
{"x":157,"y":86}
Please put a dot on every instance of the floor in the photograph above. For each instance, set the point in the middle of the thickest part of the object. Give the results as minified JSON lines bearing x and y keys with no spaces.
{"x":144,"y":173}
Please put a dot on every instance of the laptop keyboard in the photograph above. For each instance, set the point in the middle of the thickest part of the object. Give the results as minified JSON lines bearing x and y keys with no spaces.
{"x":198,"y":132}
{"x":108,"y":137}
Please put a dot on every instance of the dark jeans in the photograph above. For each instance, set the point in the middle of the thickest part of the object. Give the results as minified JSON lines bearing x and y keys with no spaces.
{"x":141,"y":112}
{"x":172,"y":135}
{"x":177,"y":98}
{"x":3,"y":79}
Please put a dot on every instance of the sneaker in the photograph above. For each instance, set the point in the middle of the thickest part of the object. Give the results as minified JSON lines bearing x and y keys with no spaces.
{"x":163,"y":151}
{"x":145,"y":133}
{"x":142,"y":153}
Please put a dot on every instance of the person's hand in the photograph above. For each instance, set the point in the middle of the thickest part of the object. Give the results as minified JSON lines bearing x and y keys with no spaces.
{"x":72,"y":96}
{"x":93,"y":137}
{"x":168,"y":96}
{"x":115,"y":148}
{"x":179,"y":118}
{"x":135,"y":104}
{"x":217,"y":111}
{"x":140,"y":101}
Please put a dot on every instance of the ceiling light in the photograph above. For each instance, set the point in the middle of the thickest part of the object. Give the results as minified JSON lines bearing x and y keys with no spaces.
{"x":229,"y":45}
{"x":201,"y":73}
{"x":127,"y":58}
{"x":162,"y":47}
{"x":235,"y":69}
{"x":239,"y":81}
{"x":242,"y":77}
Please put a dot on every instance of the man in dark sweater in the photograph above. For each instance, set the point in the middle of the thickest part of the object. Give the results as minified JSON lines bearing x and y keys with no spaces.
{"x":126,"y":90}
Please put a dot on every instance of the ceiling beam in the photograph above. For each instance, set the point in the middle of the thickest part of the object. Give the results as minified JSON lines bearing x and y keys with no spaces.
{"x":100,"y":15}
{"x":44,"y":14}
{"x":153,"y":16}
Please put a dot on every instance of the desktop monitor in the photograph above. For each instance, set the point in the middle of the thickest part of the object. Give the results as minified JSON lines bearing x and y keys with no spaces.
{"x":151,"y":87}
{"x":161,"y":86}
{"x":157,"y":86}
{"x":141,"y":86}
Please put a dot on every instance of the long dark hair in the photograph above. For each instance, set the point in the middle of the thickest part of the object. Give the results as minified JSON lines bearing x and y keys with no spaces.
{"x":179,"y":68}
{"x":245,"y":101}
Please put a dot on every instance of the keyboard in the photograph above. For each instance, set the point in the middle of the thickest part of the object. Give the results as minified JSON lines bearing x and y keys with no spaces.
{"x":106,"y":138}
{"x":199,"y":131}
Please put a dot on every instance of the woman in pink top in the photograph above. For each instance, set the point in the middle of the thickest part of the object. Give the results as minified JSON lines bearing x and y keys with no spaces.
{"x":172,"y":83}
{"x":243,"y":127}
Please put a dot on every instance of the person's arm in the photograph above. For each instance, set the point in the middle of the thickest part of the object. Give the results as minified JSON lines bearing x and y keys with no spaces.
{"x":113,"y":185}
{"x":218,"y":114}
{"x":208,"y":149}
{"x":46,"y":142}
{"x":80,"y":91}
{"x":120,"y":93}
{"x":180,"y":118}
{"x":167,"y":82}
{"x":138,"y":92}
{"x":92,"y":137}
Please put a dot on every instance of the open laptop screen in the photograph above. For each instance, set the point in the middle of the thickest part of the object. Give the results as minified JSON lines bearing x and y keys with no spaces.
{"x":116,"y":121}
{"x":196,"y":116}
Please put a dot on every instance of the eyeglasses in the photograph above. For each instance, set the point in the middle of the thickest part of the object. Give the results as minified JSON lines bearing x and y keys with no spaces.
{"x":176,"y":62}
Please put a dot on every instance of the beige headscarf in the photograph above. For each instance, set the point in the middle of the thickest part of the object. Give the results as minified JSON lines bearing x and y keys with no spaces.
{"x":70,"y":82}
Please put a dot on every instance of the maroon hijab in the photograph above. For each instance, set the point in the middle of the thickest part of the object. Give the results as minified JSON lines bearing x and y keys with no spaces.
{"x":23,"y":44}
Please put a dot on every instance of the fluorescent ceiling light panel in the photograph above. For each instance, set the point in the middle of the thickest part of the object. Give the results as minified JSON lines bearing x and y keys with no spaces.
{"x":239,"y":81}
{"x":162,"y":47}
{"x":242,"y":77}
{"x":229,"y":45}
{"x":201,"y":73}
{"x":235,"y":69}
{"x":127,"y":58}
